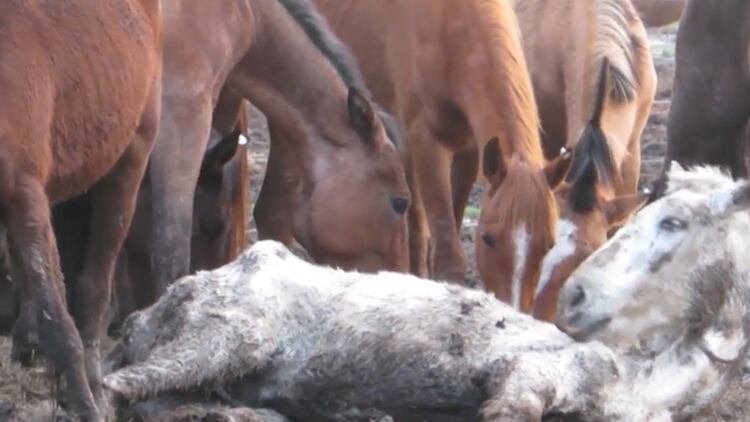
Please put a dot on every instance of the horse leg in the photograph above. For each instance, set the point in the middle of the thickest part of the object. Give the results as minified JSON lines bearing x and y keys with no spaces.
{"x":432,"y":162}
{"x":33,"y":242}
{"x":533,"y":383}
{"x":192,"y":359}
{"x":26,"y":336}
{"x":275,"y":203}
{"x":113,"y":201}
{"x":464,"y":172}
{"x":419,"y":232}
{"x":173,"y":173}
{"x":631,"y":166}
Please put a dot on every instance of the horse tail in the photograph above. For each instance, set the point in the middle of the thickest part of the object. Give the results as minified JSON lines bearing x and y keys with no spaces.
{"x":592,"y":158}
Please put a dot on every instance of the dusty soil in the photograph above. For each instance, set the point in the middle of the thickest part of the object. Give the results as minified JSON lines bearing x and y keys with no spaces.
{"x":30,"y":389}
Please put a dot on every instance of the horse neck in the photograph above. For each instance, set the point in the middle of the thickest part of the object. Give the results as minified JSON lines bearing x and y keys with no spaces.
{"x":508,"y":107}
{"x":291,"y":81}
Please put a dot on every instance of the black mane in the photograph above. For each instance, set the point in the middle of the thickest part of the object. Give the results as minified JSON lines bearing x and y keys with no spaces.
{"x":340,"y":56}
{"x":592,"y":158}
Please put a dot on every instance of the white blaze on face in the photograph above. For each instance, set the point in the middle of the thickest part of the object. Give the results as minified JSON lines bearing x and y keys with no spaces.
{"x":564,"y":247}
{"x":522,"y":250}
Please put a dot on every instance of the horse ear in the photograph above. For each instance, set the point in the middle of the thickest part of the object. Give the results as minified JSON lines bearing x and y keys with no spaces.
{"x":618,"y":209}
{"x":556,"y":169}
{"x":675,"y":168}
{"x":223,"y":151}
{"x":493,"y":163}
{"x":361,"y":114}
{"x":725,"y":202}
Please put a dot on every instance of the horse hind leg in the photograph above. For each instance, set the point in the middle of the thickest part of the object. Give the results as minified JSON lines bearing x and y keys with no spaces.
{"x":33,"y":241}
{"x":113,"y":202}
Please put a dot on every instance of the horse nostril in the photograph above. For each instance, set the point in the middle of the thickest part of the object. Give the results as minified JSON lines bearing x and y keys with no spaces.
{"x":579,"y":296}
{"x":400,"y":204}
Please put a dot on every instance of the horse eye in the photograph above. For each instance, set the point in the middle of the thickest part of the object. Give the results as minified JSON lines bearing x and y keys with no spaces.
{"x":211,"y":227}
{"x":488,"y":240}
{"x":673,"y":224}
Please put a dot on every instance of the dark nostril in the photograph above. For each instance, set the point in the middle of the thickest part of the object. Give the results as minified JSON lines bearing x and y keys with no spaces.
{"x":400,"y":204}
{"x":579,"y":296}
{"x":488,"y":240}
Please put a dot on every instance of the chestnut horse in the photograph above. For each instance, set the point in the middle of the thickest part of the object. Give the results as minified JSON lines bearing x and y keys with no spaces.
{"x":268,"y":52}
{"x":581,"y":37}
{"x":80,"y":82}
{"x":454,"y":73}
{"x":655,"y":13}
{"x":586,"y":215}
{"x":711,"y":95}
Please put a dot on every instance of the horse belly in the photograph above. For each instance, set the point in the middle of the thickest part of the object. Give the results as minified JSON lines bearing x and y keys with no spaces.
{"x":100,"y":95}
{"x":315,"y":395}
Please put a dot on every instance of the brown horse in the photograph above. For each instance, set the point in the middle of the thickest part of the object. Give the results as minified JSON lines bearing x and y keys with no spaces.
{"x":292,"y":69}
{"x":219,"y":233}
{"x":711,"y":95}
{"x":655,"y":13}
{"x":455,"y":74}
{"x":80,"y":82}
{"x":586,"y":214}
{"x":581,"y":36}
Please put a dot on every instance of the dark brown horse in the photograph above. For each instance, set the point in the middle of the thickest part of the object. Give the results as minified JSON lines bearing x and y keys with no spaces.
{"x":711,"y":96}
{"x":81,"y":87}
{"x":289,"y":66}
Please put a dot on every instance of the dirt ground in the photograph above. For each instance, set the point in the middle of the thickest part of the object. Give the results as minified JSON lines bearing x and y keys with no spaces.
{"x":31,"y":389}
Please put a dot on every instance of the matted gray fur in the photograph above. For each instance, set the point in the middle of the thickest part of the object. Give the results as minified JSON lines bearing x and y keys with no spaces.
{"x":319,"y":344}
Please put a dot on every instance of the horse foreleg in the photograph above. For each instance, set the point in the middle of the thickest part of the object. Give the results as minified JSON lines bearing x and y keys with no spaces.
{"x":566,"y":381}
{"x":419,"y":232}
{"x":275,"y":204}
{"x":32,"y":241}
{"x":432,"y":163}
{"x":113,"y":202}
{"x":464,"y":171}
{"x":173,"y":173}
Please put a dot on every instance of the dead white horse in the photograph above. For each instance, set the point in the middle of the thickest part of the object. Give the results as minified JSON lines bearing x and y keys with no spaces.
{"x":640,"y":293}
{"x":319,"y":344}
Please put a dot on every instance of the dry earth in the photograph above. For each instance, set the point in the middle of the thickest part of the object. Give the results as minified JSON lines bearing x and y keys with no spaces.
{"x":31,"y":389}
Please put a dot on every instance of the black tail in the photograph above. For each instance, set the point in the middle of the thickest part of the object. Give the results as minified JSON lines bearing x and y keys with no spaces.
{"x":592,"y":158}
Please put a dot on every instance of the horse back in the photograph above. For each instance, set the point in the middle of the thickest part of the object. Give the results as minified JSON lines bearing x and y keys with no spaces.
{"x":76,"y":77}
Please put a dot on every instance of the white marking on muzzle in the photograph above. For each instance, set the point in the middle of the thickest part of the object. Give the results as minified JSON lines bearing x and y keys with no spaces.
{"x":564,"y":247}
{"x":522,"y":250}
